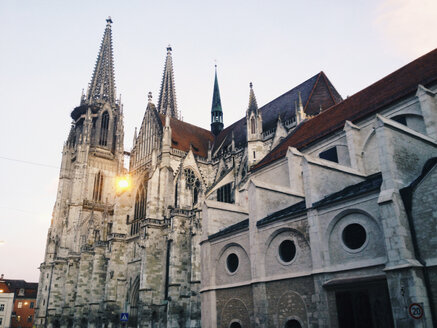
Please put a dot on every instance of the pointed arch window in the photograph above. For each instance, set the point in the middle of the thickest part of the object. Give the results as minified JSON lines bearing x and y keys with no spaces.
{"x":103,"y":141}
{"x":98,"y":187}
{"x":192,"y":183}
{"x":140,"y":203}
{"x":252,"y":125}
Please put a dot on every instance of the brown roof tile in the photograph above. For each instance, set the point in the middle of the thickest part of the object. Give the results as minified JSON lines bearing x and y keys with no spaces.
{"x":393,"y":87}
{"x":184,"y":134}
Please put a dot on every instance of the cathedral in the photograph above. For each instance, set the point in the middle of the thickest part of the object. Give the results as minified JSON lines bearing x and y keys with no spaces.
{"x":310,"y":211}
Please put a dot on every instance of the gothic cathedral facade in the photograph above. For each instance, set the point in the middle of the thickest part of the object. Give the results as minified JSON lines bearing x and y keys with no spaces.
{"x":217,"y":224}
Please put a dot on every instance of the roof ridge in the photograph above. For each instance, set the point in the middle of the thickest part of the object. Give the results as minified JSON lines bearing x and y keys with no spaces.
{"x":289,"y":91}
{"x":183,"y":122}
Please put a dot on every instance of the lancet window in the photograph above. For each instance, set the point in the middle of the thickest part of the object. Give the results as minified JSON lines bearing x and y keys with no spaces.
{"x":252,"y":125}
{"x":104,"y":129}
{"x":193,"y":183}
{"x":224,"y":194}
{"x":98,"y":187}
{"x":140,"y":203}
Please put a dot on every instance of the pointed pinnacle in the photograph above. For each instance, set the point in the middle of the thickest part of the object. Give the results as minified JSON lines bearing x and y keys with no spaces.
{"x":300,"y":101}
{"x":253,"y":106}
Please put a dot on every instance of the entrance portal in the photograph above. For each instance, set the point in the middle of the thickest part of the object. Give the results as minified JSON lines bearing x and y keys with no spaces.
{"x":365,"y":306}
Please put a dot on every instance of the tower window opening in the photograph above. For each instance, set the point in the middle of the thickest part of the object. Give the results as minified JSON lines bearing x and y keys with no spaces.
{"x":98,"y":187}
{"x":104,"y":130}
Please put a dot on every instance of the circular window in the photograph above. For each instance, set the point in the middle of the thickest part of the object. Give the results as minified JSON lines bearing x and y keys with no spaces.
{"x":354,"y":236}
{"x":232,"y":262}
{"x":287,"y":251}
{"x":292,"y":324}
{"x":235,"y":325}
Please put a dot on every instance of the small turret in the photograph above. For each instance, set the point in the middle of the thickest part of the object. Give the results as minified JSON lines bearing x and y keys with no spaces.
{"x":216,"y":108}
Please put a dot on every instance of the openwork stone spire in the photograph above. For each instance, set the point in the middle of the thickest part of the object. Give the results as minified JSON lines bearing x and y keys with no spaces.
{"x":167,"y":96}
{"x":102,"y":86}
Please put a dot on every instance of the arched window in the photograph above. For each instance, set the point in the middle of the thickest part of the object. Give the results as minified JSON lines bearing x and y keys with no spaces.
{"x":192,"y":183}
{"x":104,"y":130}
{"x":176,"y":195}
{"x":252,"y":125}
{"x":98,"y":187}
{"x":140,"y":203}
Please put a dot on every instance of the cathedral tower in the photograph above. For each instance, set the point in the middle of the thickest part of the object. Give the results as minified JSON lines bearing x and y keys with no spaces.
{"x":216,"y":108}
{"x":82,"y":216}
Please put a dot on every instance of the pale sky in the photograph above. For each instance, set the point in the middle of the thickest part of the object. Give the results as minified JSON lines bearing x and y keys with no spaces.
{"x":49,"y":48}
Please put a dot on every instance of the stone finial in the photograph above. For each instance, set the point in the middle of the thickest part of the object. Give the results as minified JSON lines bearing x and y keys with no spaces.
{"x":149,"y":96}
{"x":109,"y":20}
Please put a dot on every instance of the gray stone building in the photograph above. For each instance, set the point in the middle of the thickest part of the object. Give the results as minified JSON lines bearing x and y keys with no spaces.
{"x":281,"y":219}
{"x":335,"y":226}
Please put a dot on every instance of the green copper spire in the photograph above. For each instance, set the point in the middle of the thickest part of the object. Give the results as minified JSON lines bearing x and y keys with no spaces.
{"x":216,"y":108}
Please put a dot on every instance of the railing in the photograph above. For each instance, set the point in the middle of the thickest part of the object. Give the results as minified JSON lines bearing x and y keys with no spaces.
{"x":176,"y":211}
{"x":177,"y":152}
{"x":116,"y":235}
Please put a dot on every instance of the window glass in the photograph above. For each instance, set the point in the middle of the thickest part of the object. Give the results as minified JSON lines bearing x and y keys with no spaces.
{"x":287,"y":250}
{"x":20,"y":305}
{"x":232,"y":262}
{"x":354,"y":236}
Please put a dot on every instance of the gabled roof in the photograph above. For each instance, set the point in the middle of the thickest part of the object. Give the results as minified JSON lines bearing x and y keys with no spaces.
{"x":394,"y":87}
{"x":184,"y":134}
{"x":315,"y":92}
{"x":229,"y":229}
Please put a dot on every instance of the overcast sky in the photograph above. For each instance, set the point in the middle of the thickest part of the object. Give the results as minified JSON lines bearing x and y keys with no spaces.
{"x":49,"y":48}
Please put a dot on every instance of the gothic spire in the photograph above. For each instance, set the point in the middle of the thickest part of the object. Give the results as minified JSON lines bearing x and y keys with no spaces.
{"x":216,"y":108}
{"x":102,"y":86}
{"x":253,"y":106}
{"x":167,"y":95}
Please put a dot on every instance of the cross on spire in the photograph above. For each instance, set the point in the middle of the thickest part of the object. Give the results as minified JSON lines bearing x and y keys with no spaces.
{"x":102,"y":86}
{"x":167,"y":95}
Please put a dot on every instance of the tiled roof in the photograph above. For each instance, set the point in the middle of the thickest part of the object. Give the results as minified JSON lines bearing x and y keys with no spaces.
{"x":399,"y":84}
{"x":235,"y":227}
{"x":316,"y":92}
{"x":372,"y":182}
{"x":30,"y":288}
{"x":184,"y":134}
{"x":288,"y":211}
